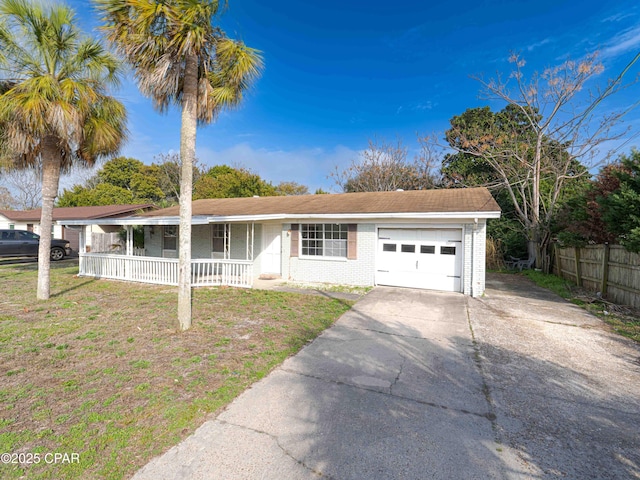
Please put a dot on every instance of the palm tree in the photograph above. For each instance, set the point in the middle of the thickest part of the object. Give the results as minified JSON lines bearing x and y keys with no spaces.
{"x":179,"y":56}
{"x":54,"y":106}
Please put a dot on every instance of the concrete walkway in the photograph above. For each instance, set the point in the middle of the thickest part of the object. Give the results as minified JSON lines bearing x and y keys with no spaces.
{"x":391,"y":391}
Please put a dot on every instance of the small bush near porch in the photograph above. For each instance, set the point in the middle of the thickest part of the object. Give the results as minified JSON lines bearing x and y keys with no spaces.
{"x":100,"y":370}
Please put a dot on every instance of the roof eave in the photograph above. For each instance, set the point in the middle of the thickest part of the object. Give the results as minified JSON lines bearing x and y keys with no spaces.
{"x":206,"y":219}
{"x":124,"y":221}
{"x":356,"y":216}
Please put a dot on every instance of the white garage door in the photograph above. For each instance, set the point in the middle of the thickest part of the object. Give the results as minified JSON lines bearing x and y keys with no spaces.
{"x":420,"y":258}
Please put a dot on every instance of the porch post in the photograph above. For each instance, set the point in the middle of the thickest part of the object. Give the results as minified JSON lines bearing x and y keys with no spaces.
{"x":82,"y":249}
{"x":129,"y":246}
{"x":249,"y":252}
{"x":82,"y":245}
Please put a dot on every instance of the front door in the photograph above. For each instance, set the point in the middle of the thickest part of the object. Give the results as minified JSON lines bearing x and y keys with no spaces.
{"x":271,"y":248}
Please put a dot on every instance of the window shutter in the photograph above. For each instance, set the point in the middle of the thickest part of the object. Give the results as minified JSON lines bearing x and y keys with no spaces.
{"x":352,"y":241}
{"x":295,"y":239}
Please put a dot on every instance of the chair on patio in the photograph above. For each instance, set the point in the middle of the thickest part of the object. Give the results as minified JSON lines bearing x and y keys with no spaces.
{"x":520,"y":263}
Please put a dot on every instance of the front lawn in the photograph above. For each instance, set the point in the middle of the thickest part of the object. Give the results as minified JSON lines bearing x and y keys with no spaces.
{"x":99,"y":372}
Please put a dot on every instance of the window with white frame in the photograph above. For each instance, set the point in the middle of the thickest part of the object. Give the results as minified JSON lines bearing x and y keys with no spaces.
{"x":170,"y":237}
{"x":220,"y":240}
{"x":326,"y":240}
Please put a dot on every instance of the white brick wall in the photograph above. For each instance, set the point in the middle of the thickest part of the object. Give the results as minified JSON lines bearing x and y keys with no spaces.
{"x":479,"y":255}
{"x":467,"y":238}
{"x":332,"y":270}
{"x":474,"y":268}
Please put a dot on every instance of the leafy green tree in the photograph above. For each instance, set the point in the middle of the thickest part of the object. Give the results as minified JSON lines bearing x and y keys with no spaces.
{"x":143,"y":181}
{"x":291,"y":188}
{"x":621,"y":208}
{"x":54,"y":104}
{"x":101,"y":194}
{"x":580,"y":221}
{"x":223,"y":181}
{"x":181,"y":57}
{"x":479,"y":128}
{"x":120,"y":181}
{"x":127,"y":180}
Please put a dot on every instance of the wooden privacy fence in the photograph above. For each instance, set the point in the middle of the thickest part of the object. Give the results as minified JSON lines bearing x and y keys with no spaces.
{"x":609,"y":269}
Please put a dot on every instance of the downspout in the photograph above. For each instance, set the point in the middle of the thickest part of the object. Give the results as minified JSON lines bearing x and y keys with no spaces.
{"x":474,"y":233}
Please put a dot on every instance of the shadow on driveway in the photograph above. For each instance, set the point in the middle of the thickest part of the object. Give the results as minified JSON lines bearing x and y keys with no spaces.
{"x":566,"y":391}
{"x":414,"y":384}
{"x":391,"y":391}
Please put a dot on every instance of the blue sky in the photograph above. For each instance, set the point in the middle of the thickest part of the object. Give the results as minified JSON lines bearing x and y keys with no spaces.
{"x":340,"y":72}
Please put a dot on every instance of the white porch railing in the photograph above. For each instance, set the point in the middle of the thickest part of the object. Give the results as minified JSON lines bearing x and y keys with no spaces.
{"x":164,"y":271}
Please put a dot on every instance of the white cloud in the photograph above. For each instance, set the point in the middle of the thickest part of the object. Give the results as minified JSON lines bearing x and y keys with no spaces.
{"x":541,"y":43}
{"x":309,"y":166}
{"x":617,"y":17}
{"x":625,"y":42}
{"x":417,"y":107}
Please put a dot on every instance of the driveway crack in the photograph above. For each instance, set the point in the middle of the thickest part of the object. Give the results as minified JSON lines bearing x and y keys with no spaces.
{"x":477,"y":358}
{"x":280,"y":446}
{"x":382,"y":332}
{"x":393,"y":384}
{"x":488,"y":416}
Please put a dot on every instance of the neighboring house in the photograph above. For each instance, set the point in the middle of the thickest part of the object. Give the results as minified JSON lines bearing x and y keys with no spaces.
{"x":432,"y":239}
{"x":30,"y":220}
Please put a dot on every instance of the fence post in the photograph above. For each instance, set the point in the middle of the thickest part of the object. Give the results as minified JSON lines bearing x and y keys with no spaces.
{"x":605,"y":270}
{"x":578,"y":272}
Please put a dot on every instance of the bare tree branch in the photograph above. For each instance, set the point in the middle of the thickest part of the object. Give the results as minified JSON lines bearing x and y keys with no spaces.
{"x":384,"y":166}
{"x":548,"y":135}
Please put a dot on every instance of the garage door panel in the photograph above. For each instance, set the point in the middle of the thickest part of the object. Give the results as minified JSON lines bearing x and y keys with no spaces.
{"x":420,"y":258}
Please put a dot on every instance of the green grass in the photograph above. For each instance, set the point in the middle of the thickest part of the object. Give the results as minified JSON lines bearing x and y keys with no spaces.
{"x":557,"y":285}
{"x":329,"y":287}
{"x":625,"y":325}
{"x":101,"y":369}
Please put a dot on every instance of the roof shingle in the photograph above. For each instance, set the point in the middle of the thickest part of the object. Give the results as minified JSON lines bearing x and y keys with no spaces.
{"x":77,"y":213}
{"x":415,"y":201}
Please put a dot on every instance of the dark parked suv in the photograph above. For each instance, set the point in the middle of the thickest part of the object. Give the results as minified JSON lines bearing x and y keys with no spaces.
{"x":20,"y":243}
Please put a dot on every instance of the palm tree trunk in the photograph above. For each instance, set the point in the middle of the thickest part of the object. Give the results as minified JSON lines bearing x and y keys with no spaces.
{"x":50,"y":181}
{"x":187,"y":158}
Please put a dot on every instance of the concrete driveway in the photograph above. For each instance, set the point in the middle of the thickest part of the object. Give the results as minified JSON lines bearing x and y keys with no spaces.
{"x":565,"y":390}
{"x":414,"y":384}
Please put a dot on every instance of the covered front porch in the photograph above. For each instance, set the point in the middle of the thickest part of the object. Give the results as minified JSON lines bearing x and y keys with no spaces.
{"x":222,"y":255}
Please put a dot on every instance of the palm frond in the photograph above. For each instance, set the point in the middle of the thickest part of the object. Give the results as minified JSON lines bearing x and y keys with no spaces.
{"x":156,"y":37}
{"x":53,"y":80}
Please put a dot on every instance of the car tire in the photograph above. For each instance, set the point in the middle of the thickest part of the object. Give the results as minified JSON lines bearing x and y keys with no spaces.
{"x":57,"y":253}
